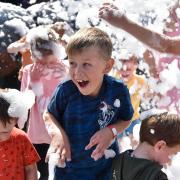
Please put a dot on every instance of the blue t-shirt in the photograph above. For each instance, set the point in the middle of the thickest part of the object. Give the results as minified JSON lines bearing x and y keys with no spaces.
{"x":82,"y":116}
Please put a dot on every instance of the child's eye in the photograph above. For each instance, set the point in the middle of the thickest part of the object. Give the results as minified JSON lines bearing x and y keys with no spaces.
{"x":71,"y":63}
{"x":86,"y":64}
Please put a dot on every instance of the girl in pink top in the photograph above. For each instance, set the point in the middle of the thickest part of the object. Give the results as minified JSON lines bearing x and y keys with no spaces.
{"x":42,"y":77}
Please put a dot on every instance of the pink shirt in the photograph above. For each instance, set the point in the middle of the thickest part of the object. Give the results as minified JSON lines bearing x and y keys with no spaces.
{"x":45,"y":82}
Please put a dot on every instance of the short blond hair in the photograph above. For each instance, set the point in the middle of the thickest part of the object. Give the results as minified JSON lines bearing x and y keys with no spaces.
{"x":88,"y":37}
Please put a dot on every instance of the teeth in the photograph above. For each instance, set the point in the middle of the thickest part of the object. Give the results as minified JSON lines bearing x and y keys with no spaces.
{"x":79,"y":80}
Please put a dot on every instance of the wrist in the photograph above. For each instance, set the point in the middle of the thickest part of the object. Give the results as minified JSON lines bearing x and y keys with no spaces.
{"x":113,"y":131}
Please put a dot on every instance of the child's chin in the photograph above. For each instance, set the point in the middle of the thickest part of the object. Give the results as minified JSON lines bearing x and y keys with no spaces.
{"x":84,"y":93}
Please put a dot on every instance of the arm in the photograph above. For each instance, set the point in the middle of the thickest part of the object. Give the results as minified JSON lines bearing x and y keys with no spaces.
{"x":150,"y":60}
{"x":18,"y":46}
{"x":59,"y":143}
{"x":121,"y":126}
{"x":31,"y":172}
{"x":102,"y":138}
{"x":155,"y":40}
{"x":124,"y":112}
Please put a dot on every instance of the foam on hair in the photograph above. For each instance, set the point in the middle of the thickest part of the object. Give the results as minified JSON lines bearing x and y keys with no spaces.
{"x":19,"y":104}
{"x":161,"y":126}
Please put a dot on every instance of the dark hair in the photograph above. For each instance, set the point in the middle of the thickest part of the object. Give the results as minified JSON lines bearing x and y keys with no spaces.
{"x":4,"y":116}
{"x":163,"y":126}
{"x":88,"y":37}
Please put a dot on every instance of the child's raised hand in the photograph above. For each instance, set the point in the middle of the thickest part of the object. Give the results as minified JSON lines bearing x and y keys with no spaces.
{"x":102,"y":140}
{"x":60,"y":145}
{"x":36,"y":72}
{"x":18,"y":47}
{"x":59,"y":28}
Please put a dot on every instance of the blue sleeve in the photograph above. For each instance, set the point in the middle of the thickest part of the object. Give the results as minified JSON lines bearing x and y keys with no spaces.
{"x":126,"y":111}
{"x":56,"y":105}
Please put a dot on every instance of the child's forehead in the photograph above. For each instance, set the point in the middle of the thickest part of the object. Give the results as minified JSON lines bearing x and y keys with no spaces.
{"x":88,"y":51}
{"x":85,"y":49}
{"x":127,"y":61}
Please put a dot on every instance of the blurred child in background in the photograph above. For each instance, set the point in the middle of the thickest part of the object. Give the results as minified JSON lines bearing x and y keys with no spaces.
{"x":42,"y":77}
{"x":23,"y":47}
{"x":18,"y":155}
{"x":137,"y":88}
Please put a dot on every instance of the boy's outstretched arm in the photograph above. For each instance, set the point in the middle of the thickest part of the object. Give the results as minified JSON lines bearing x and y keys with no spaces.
{"x":31,"y":172}
{"x":60,"y":142}
{"x":102,"y":138}
{"x":157,"y":41}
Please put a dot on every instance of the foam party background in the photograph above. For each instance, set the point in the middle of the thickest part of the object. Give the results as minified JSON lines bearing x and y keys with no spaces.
{"x":16,"y":21}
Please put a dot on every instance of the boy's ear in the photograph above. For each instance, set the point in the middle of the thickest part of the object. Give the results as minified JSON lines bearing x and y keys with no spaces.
{"x":109,"y":65}
{"x":160,"y":145}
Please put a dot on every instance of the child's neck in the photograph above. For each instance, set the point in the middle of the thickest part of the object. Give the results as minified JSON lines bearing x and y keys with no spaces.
{"x":144,"y":151}
{"x":4,"y":138}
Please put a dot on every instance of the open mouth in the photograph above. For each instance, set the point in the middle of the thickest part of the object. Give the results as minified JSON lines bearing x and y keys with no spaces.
{"x":82,"y":83}
{"x":125,"y":76}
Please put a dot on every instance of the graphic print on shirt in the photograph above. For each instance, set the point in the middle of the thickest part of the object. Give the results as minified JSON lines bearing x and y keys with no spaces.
{"x":107,"y":113}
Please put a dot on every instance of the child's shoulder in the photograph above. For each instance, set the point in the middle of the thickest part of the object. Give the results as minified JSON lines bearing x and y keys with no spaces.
{"x":143,"y":169}
{"x":114,"y":80}
{"x":114,"y":83}
{"x":140,"y":79}
{"x":67,"y":87}
{"x":18,"y":133}
{"x":67,"y":83}
{"x":27,"y":67}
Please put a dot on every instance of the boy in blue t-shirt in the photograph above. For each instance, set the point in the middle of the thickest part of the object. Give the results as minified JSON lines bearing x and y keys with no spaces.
{"x":86,"y":112}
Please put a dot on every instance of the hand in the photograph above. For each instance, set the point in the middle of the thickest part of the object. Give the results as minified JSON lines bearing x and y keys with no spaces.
{"x":60,"y":145}
{"x":102,"y":140}
{"x":59,"y":28}
{"x":111,"y":14}
{"x":36,"y":71}
{"x":18,"y":47}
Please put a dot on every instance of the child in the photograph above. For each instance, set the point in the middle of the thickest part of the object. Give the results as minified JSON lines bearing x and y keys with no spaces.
{"x":136,"y":85}
{"x":167,"y":91}
{"x":23,"y":46}
{"x":18,"y":156}
{"x":42,"y":77}
{"x":159,"y":141}
{"x":89,"y":110}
